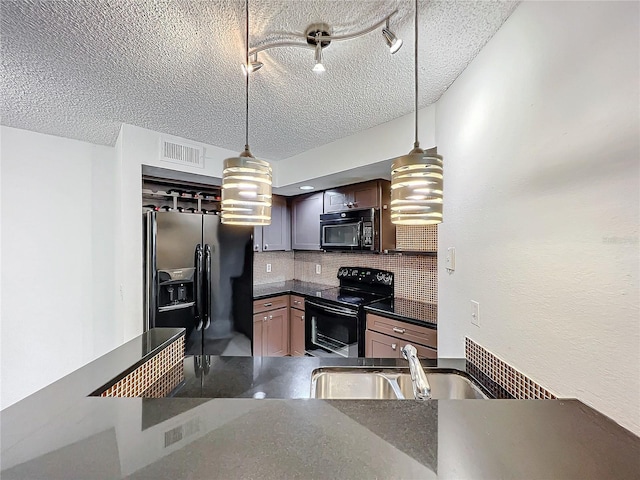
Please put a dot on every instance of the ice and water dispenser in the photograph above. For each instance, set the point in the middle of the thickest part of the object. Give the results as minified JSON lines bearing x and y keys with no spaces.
{"x":175,"y":289}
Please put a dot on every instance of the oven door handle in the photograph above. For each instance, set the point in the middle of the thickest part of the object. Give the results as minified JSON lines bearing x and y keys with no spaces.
{"x":338,"y":311}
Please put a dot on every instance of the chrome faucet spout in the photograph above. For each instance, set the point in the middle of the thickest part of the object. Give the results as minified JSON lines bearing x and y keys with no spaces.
{"x":421,"y":387}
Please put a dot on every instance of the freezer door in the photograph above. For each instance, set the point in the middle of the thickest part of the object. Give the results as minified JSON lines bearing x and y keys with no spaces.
{"x":177,"y":236}
{"x":229,"y":270}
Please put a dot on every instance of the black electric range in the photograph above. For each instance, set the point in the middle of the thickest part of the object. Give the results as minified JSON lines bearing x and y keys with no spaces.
{"x":335,"y":318}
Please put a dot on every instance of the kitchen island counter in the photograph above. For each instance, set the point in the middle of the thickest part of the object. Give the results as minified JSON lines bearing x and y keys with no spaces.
{"x":61,"y":433}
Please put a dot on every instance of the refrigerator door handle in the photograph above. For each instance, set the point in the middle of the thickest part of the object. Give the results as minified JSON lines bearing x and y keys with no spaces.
{"x":207,"y":272}
{"x":197,"y":293}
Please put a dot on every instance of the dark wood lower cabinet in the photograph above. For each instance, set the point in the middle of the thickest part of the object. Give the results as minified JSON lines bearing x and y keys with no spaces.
{"x":378,"y":344}
{"x":271,"y":333}
{"x":381,"y":346}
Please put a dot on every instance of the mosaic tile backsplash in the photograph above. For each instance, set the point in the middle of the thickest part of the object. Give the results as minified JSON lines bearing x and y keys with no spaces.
{"x":281,"y":267}
{"x":155,"y":378}
{"x":516,"y":383}
{"x":417,"y":237}
{"x":416,"y":277}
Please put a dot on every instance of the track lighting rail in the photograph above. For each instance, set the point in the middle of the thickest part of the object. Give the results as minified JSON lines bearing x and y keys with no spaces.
{"x":312,"y":41}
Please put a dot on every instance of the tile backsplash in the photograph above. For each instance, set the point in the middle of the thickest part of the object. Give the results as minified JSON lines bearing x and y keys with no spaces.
{"x":516,"y":383}
{"x":416,"y":277}
{"x":281,"y":267}
{"x":417,"y":237}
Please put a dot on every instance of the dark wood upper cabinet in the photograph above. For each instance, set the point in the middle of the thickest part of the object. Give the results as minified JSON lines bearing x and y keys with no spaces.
{"x":305,"y":228}
{"x":277,"y":235}
{"x":354,"y":197}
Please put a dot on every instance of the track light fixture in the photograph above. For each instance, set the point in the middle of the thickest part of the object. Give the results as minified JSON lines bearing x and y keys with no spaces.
{"x":318,"y":37}
{"x":252,"y":66}
{"x":393,"y":42}
{"x":318,"y":67}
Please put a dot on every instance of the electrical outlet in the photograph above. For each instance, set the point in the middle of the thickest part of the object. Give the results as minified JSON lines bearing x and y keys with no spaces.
{"x":318,"y":268}
{"x":268,"y":268}
{"x":475,"y":313}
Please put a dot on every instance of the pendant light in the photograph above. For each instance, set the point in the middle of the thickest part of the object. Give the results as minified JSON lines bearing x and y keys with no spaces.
{"x":416,"y":178}
{"x":246,"y":181}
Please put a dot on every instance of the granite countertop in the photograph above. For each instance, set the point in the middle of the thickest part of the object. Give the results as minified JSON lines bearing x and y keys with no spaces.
{"x":60,"y":433}
{"x":419,"y":313}
{"x":299,"y":287}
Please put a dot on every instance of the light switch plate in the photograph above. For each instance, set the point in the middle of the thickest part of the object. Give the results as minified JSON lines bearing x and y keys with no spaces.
{"x":475,"y":313}
{"x":268,"y":268}
{"x":450,"y":260}
{"x":318,"y":268}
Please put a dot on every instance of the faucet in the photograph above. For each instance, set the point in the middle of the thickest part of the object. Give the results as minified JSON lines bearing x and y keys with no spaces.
{"x":421,"y":387}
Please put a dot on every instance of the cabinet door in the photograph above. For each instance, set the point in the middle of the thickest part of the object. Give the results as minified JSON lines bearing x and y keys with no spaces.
{"x":364,"y":195}
{"x":297,"y":330}
{"x":277,"y":335}
{"x":259,"y":321}
{"x":381,"y":346}
{"x":336,"y":200}
{"x":306,"y":222}
{"x":257,"y":239}
{"x":277,"y":236}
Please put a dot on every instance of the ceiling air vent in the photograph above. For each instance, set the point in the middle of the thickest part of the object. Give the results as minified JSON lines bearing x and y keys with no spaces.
{"x":182,"y":153}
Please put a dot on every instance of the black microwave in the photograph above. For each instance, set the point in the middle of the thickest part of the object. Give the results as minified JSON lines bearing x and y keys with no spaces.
{"x":352,"y":230}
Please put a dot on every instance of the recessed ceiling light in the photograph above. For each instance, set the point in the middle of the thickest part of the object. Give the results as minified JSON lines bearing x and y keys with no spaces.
{"x":306,"y":187}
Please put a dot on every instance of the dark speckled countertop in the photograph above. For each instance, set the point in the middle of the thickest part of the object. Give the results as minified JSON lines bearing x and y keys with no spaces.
{"x":298,"y":287}
{"x":425,"y":314}
{"x":60,"y":433}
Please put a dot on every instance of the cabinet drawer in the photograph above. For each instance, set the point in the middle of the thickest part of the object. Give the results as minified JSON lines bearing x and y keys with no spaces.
{"x":402,"y":330}
{"x":297,"y":302}
{"x":270,"y":303}
{"x":384,"y":346}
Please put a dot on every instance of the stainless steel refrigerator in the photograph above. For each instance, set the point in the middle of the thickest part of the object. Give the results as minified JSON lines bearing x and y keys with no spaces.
{"x":199,"y":276}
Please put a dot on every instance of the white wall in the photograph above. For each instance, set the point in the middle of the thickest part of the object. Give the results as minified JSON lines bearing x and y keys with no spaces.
{"x":57,"y":258}
{"x":540,"y":136}
{"x":375,"y":144}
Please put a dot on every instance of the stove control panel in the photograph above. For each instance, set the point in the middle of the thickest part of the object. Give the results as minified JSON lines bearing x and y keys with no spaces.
{"x":366,"y":275}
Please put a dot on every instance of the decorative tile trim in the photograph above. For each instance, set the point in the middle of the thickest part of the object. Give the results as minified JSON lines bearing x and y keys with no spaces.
{"x":513,"y":381}
{"x":150,"y":373}
{"x":167,"y":383}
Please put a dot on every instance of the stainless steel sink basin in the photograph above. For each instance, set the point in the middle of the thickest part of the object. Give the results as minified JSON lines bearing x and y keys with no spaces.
{"x":339,"y":383}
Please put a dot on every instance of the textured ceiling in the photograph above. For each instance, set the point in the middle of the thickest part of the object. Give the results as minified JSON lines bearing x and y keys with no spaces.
{"x":79,"y":68}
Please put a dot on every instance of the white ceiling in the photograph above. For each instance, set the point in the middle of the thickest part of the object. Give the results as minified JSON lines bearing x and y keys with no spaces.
{"x":79,"y":68}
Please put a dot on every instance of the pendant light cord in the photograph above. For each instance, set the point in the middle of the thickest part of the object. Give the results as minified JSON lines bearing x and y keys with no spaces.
{"x":416,"y":143}
{"x":246,"y":60}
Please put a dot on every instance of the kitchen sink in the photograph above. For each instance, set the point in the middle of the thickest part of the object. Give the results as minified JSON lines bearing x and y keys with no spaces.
{"x":353,"y":383}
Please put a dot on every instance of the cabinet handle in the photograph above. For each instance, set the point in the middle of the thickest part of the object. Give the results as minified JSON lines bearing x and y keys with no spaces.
{"x":270,"y":317}
{"x":264,"y":319}
{"x":266,"y":247}
{"x":394,"y":346}
{"x":268,"y":304}
{"x":399,"y":330}
{"x":302,"y":317}
{"x":256,"y":248}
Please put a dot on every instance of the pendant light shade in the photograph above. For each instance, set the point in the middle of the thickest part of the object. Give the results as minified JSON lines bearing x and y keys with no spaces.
{"x":246,"y":181}
{"x":246,"y":191}
{"x":416,"y":178}
{"x":416,"y":189}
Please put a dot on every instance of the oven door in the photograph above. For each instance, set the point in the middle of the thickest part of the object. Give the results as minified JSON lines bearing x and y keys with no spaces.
{"x":331,"y":331}
{"x":341,"y":234}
